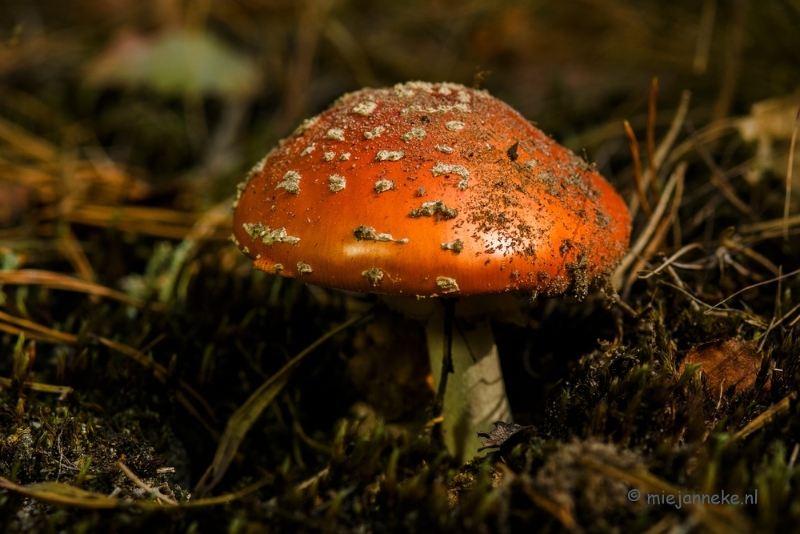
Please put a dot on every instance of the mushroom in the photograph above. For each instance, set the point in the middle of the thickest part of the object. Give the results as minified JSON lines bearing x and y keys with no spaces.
{"x":433,"y":190}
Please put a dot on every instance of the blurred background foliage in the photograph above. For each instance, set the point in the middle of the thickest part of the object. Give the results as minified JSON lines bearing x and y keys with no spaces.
{"x":124,"y":128}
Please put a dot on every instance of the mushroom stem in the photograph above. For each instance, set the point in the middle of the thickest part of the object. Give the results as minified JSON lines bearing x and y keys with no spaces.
{"x":475,"y":395}
{"x":447,"y":355}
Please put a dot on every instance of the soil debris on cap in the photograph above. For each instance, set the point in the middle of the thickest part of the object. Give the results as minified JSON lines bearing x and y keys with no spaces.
{"x":337,"y":134}
{"x":441,"y":169}
{"x":512,"y":152}
{"x":291,"y":182}
{"x":390,"y":155}
{"x":456,"y":246}
{"x":436,"y":208}
{"x":447,"y":284}
{"x":365,"y":108}
{"x":414,"y":134}
{"x":267,"y":235}
{"x":305,"y":126}
{"x":373,"y":275}
{"x":381,"y":186}
{"x":444,"y":149}
{"x":368,"y":233}
{"x":375,"y":133}
{"x":336,"y":183}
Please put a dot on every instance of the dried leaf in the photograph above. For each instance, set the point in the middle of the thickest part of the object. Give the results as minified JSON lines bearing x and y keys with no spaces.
{"x":727,"y":363}
{"x":176,"y":63}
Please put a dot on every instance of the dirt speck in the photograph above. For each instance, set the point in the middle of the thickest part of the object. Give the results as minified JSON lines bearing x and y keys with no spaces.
{"x":291,"y":182}
{"x":456,"y":246}
{"x":436,"y":209}
{"x":373,"y":275}
{"x":447,"y":284}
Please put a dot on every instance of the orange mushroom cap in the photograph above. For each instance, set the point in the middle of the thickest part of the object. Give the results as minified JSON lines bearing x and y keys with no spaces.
{"x":429,"y":189}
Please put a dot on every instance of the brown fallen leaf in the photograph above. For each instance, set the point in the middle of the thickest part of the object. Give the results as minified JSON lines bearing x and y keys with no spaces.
{"x":727,"y":363}
{"x":15,"y":199}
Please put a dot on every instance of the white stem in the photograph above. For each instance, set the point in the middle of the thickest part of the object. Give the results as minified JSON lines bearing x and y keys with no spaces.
{"x":476,"y":395}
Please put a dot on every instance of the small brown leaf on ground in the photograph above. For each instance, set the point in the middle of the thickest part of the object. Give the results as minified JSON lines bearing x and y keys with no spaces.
{"x":727,"y":363}
{"x":15,"y":199}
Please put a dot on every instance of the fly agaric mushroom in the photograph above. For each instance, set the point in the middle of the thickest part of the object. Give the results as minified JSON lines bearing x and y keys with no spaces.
{"x":433,"y":190}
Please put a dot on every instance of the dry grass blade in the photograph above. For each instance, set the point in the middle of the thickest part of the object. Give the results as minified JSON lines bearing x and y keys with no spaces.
{"x":719,"y":180}
{"x":71,"y":248}
{"x":26,"y":144}
{"x":158,"y":222}
{"x":242,"y":420}
{"x":752,"y":254}
{"x":159,"y":371}
{"x":703,"y":47}
{"x":769,"y":414}
{"x":60,"y":494}
{"x":672,"y":259}
{"x":664,"y":147}
{"x":771,"y":280}
{"x":38,"y":332}
{"x":651,"y":137}
{"x":674,"y":129}
{"x":62,"y":391}
{"x":139,"y":482}
{"x":652,"y":225}
{"x":637,"y":168}
{"x":55,"y":280}
{"x":765,"y":227}
{"x":787,"y":201}
{"x":658,"y":236}
{"x":17,"y":326}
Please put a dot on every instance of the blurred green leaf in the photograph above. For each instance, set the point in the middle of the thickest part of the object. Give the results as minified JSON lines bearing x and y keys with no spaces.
{"x":175,"y":63}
